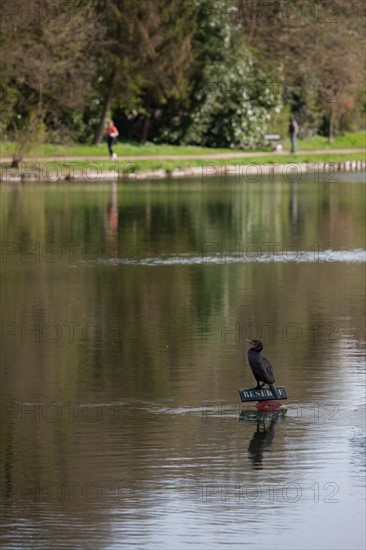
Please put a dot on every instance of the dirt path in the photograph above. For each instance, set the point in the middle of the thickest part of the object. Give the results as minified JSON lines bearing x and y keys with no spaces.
{"x":212,"y":156}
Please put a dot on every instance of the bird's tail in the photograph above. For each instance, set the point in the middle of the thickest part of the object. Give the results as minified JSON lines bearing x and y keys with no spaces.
{"x":274,"y":391}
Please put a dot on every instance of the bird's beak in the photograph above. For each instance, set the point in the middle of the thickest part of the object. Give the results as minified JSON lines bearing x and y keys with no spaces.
{"x":249,"y":341}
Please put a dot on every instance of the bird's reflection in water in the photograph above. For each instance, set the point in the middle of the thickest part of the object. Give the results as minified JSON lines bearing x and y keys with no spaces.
{"x":264,"y":434}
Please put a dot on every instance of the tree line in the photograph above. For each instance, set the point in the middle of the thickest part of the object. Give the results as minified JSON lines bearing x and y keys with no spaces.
{"x":218,"y":73}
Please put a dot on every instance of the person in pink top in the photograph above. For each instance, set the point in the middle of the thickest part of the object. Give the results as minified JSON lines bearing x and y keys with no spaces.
{"x":111,"y":134}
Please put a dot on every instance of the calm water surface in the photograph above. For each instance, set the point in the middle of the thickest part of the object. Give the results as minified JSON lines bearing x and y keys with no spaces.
{"x":123,"y":314}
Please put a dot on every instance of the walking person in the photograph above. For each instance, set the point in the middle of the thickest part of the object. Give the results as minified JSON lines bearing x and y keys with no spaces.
{"x":293,"y":131}
{"x":111,"y":134}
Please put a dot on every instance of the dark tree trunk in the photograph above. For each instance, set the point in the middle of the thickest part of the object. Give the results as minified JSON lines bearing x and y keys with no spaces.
{"x":106,"y":107}
{"x":145,"y":129}
{"x":331,"y":126}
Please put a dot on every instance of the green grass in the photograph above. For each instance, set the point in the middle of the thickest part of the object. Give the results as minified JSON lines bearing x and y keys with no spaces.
{"x":345,"y":141}
{"x":142,"y":165}
{"x":54,"y":166}
{"x":122,"y":149}
{"x":348,"y":140}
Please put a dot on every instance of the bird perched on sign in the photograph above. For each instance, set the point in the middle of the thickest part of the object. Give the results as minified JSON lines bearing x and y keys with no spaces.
{"x":261,"y":367}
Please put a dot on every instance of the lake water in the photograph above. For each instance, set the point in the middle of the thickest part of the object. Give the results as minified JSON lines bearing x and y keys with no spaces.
{"x":123,"y":314}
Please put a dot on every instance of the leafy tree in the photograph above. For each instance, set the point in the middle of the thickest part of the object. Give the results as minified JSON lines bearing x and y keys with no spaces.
{"x":149,"y":55}
{"x":236,"y":111}
{"x":208,"y":72}
{"x":44,"y":67}
{"x":232,"y":92}
{"x":321,"y":46}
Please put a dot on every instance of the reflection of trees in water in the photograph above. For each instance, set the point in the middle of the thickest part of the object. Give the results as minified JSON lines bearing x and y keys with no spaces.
{"x":263,"y":436}
{"x":147,"y":303}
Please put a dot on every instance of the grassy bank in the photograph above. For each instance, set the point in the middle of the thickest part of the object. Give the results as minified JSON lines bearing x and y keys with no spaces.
{"x":64,"y":168}
{"x":348,"y":140}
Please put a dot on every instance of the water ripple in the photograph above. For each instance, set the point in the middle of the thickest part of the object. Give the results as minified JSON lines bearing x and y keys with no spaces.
{"x":306,"y":256}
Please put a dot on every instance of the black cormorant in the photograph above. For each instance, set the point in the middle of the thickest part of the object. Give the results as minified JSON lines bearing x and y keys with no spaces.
{"x":261,"y":367}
